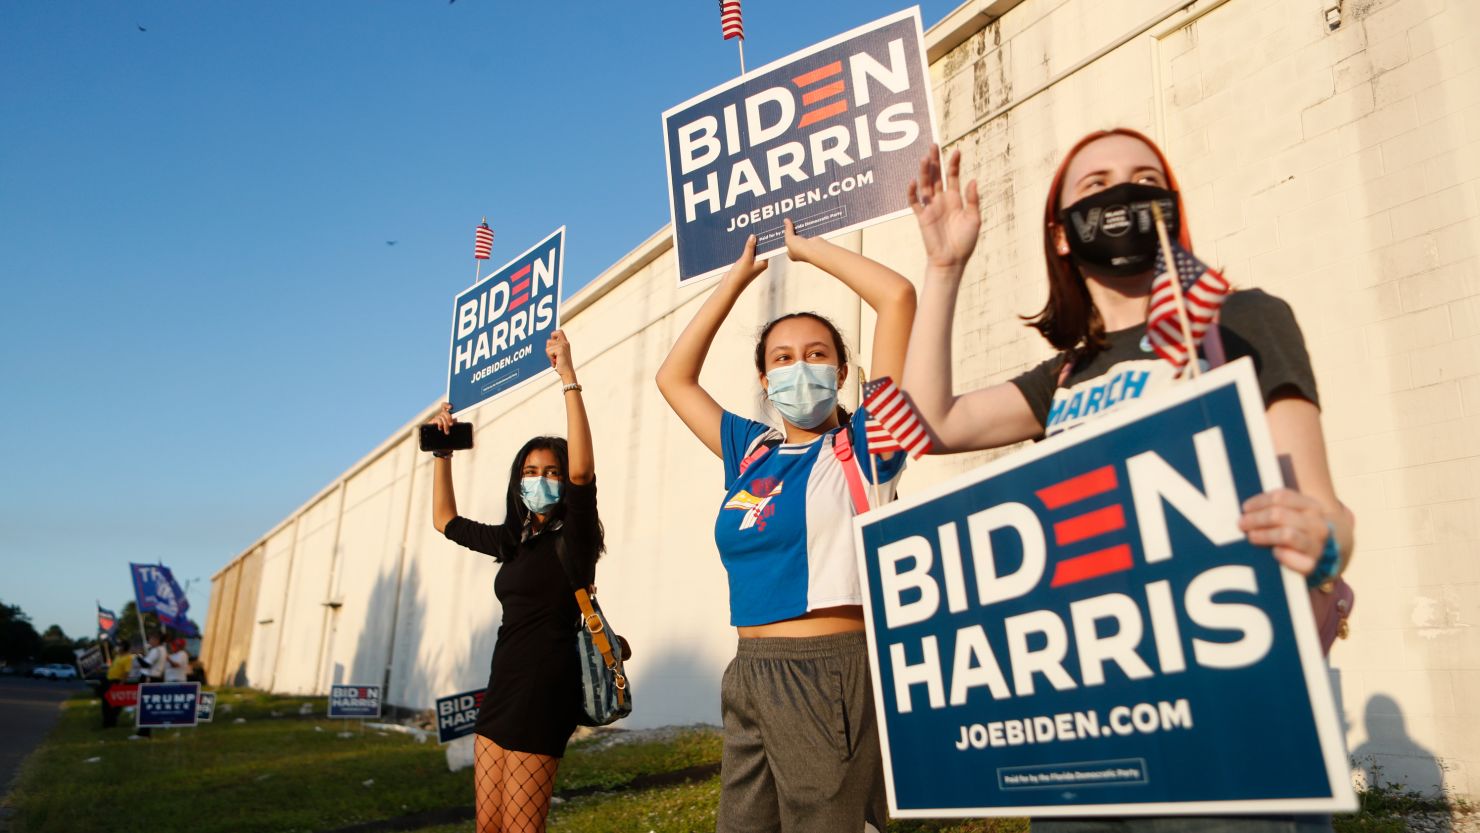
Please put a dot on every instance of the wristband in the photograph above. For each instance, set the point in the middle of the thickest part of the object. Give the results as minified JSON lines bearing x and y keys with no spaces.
{"x":573,"y":386}
{"x":1329,"y":562}
{"x":443,"y":455}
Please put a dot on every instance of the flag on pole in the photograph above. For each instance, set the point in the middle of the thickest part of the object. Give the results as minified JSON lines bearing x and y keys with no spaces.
{"x":483,"y":241}
{"x":155,"y":589}
{"x":729,"y":19}
{"x":891,"y":410}
{"x":107,"y":621}
{"x":1203,"y":288}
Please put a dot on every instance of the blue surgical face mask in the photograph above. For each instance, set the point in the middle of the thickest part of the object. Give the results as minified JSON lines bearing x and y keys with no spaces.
{"x":806,"y":394}
{"x":539,"y":493}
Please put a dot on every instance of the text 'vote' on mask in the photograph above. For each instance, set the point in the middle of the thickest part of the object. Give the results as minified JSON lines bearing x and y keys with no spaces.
{"x":539,"y":493}
{"x":805,"y":393}
{"x":1112,"y":233}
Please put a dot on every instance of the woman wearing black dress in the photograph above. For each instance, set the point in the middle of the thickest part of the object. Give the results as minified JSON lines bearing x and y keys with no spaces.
{"x":550,"y":534}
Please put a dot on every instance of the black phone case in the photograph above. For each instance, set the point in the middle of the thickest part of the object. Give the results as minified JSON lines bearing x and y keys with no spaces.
{"x":461,"y":438}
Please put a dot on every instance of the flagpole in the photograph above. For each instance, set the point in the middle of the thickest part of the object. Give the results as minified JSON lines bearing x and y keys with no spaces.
{"x":740,"y":41}
{"x":873,"y":465}
{"x":477,"y":270}
{"x":1171,"y":261}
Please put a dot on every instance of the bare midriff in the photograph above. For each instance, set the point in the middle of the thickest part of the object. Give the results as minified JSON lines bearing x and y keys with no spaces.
{"x":821,"y":622}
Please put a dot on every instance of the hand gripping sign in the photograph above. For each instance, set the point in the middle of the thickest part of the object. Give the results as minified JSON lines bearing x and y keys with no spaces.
{"x":829,"y":136}
{"x":1082,"y":629}
{"x":500,"y":324}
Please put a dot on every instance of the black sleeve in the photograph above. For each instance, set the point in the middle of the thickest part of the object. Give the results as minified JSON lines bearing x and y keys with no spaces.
{"x":485,"y":538}
{"x":1037,"y":385}
{"x":1263,"y":327}
{"x":578,"y":531}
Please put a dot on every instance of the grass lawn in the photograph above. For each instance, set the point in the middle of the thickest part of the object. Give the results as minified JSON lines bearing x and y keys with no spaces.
{"x":280,"y":771}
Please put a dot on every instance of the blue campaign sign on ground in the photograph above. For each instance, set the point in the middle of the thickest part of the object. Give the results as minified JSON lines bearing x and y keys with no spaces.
{"x":457,"y":714}
{"x":205,"y":707}
{"x":167,"y":704}
{"x":354,"y":701}
{"x":500,"y":324}
{"x":1081,"y":628}
{"x":830,"y":137}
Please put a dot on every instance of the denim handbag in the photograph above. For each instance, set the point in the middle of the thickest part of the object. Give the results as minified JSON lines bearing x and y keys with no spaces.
{"x":607,"y":696}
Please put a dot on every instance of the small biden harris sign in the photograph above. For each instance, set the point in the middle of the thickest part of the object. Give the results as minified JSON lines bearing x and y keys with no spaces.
{"x":501,"y":323}
{"x":829,"y":136}
{"x":1082,"y":629}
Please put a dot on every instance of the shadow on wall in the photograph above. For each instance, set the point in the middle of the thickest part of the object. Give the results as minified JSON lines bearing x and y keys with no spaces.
{"x":676,"y":687}
{"x":378,"y":646}
{"x":1390,"y":757}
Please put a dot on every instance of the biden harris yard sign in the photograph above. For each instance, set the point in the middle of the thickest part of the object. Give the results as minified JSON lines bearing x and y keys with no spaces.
{"x":1081,"y":628}
{"x":830,"y":136}
{"x":500,"y":324}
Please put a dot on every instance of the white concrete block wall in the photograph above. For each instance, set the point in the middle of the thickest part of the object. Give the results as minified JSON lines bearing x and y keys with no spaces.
{"x":1337,"y":169}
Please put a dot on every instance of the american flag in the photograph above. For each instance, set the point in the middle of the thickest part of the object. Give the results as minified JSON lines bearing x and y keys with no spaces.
{"x":483,"y":240}
{"x":1202,"y":288}
{"x":729,"y":19}
{"x":893,"y":424}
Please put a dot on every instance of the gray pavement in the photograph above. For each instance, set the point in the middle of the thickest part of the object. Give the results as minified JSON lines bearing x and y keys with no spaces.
{"x":28,"y":710}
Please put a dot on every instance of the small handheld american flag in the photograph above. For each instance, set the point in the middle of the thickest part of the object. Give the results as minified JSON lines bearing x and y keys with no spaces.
{"x":729,"y":19}
{"x":483,"y":241}
{"x":1203,"y":289}
{"x":893,"y":424}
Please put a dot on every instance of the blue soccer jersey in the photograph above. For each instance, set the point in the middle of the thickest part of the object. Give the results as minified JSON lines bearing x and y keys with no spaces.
{"x":785,"y":531}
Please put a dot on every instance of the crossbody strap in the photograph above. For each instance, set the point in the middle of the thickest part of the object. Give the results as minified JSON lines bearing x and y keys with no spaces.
{"x":843,"y":449}
{"x":602,"y":642}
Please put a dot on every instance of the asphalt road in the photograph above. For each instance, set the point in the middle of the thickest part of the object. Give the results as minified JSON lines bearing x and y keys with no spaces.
{"x":28,"y":709}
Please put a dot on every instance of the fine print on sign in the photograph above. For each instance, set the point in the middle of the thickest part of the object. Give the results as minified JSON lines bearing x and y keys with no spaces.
{"x":830,"y":137}
{"x":1082,"y":629}
{"x":167,"y":704}
{"x":500,"y":324}
{"x":354,"y":701}
{"x":457,"y":714}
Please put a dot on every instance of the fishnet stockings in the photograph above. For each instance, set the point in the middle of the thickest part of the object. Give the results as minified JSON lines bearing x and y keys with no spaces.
{"x":512,"y":789}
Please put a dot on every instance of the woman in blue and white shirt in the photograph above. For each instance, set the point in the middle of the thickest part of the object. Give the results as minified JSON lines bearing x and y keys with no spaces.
{"x":799,"y":684}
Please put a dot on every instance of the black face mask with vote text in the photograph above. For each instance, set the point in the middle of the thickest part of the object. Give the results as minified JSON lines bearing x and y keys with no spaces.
{"x":1112,"y":233}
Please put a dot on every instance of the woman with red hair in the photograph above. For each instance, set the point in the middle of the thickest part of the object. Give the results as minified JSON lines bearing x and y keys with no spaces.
{"x":1100,"y":271}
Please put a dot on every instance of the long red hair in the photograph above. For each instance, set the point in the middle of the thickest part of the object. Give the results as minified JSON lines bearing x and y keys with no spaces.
{"x":1069,"y":320}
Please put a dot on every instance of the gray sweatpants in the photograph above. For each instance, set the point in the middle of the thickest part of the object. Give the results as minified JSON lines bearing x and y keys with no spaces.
{"x":801,"y":746}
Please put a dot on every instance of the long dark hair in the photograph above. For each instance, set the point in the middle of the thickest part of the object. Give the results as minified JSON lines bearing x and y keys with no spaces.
{"x":1070,"y":321}
{"x":837,"y":339}
{"x":516,"y":513}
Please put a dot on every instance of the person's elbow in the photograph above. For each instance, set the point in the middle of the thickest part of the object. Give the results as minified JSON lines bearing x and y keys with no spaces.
{"x":904,"y":298}
{"x":440,"y":520}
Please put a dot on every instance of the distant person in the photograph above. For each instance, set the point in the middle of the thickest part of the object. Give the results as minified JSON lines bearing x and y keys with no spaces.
{"x":155,"y":660}
{"x":177,"y":662}
{"x":152,"y":663}
{"x":549,"y":540}
{"x":118,"y":674}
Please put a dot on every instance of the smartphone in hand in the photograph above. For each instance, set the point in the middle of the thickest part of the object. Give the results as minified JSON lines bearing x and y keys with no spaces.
{"x":460,"y":438}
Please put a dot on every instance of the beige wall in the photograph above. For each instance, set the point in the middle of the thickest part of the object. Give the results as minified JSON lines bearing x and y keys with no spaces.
{"x":1337,"y":169}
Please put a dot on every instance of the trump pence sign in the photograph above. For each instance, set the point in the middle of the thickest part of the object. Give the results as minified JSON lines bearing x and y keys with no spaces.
{"x":830,"y":137}
{"x":1081,"y":628}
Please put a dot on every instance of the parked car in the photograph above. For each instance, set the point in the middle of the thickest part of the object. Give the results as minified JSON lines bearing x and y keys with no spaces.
{"x":55,"y":671}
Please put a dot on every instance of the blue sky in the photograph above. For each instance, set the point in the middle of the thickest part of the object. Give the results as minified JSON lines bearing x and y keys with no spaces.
{"x":203,"y":323}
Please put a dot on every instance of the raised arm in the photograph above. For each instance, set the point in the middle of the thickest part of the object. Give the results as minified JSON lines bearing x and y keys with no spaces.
{"x":678,"y":378}
{"x":949,"y":223}
{"x":444,"y":502}
{"x":887,"y":292}
{"x":577,"y":428}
